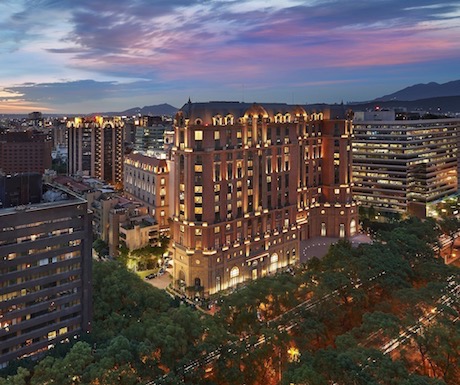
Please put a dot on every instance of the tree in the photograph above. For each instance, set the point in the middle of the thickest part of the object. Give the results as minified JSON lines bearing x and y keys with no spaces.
{"x":450,"y":227}
{"x":20,"y":378}
{"x":100,"y":247}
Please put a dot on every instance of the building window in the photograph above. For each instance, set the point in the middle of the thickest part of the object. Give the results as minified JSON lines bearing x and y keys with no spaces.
{"x":342,"y":231}
{"x":198,"y":135}
{"x":273,"y":263}
{"x":234,"y":276}
{"x":323,"y":229}
{"x":352,"y":227}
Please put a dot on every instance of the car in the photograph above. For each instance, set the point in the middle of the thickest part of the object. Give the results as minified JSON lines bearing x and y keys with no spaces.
{"x":150,"y":276}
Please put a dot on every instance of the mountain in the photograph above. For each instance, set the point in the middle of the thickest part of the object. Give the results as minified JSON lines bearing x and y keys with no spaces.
{"x":160,"y":109}
{"x":424,"y":91}
{"x":443,"y":104}
{"x":156,"y":110}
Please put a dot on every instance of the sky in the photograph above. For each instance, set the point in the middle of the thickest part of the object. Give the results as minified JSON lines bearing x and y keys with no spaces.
{"x":84,"y":56}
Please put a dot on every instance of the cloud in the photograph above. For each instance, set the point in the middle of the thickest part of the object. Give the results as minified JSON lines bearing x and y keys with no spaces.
{"x":139,"y":46}
{"x":74,"y":91}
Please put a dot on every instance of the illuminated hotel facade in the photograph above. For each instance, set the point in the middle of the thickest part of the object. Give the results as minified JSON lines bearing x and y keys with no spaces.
{"x":95,"y":147}
{"x":146,"y":178}
{"x":252,"y":181}
{"x":400,"y":166}
{"x":45,"y":274}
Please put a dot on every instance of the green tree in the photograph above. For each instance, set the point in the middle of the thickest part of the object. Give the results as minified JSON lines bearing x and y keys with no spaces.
{"x":20,"y":378}
{"x":100,"y":247}
{"x":450,"y":227}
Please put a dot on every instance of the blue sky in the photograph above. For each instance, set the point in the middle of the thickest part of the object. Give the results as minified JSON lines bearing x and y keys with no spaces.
{"x":82,"y":56}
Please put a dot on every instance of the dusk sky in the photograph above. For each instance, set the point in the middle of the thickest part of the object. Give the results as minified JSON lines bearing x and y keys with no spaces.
{"x":82,"y":56}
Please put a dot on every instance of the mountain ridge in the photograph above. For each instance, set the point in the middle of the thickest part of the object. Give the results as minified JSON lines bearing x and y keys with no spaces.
{"x":424,"y":91}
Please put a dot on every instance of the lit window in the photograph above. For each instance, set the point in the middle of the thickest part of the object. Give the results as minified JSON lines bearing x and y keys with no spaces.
{"x":198,"y":135}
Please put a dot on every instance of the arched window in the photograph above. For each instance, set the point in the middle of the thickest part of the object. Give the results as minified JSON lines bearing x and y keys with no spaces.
{"x":352,"y":227}
{"x":323,"y":229}
{"x":229,"y":119}
{"x":273,"y":263}
{"x":234,"y":276}
{"x":197,"y":282}
{"x":217,"y":120}
{"x":181,"y":279}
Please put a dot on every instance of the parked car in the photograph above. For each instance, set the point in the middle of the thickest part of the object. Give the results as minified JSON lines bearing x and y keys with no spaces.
{"x":150,"y":276}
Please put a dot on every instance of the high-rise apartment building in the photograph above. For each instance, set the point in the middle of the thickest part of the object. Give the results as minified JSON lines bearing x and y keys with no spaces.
{"x":252,"y":181}
{"x":25,"y":152}
{"x":400,"y":166}
{"x":95,"y":147}
{"x":45,"y":274}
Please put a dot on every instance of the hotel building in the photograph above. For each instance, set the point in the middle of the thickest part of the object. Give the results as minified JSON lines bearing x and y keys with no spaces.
{"x":252,"y":181}
{"x":95,"y":148}
{"x":146,"y":179}
{"x":45,"y":274}
{"x":25,"y":152}
{"x":400,"y":166}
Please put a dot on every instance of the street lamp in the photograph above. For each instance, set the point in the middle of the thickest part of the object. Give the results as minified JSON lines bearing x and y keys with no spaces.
{"x":294,"y":354}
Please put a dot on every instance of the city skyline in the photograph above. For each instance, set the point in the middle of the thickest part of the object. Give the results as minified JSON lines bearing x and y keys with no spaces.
{"x":83,"y":57}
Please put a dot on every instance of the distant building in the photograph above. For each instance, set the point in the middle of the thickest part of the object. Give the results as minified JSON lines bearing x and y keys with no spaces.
{"x":45,"y":271}
{"x":252,"y":181}
{"x":95,"y":148}
{"x":24,"y":152}
{"x":401,"y":166}
{"x":147,"y":180}
{"x":35,"y":119}
{"x":149,"y":133}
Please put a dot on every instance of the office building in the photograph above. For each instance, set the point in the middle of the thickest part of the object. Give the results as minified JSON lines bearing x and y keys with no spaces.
{"x":401,"y":166}
{"x":149,"y":133}
{"x":95,"y":148}
{"x":45,"y":274}
{"x":252,"y":181}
